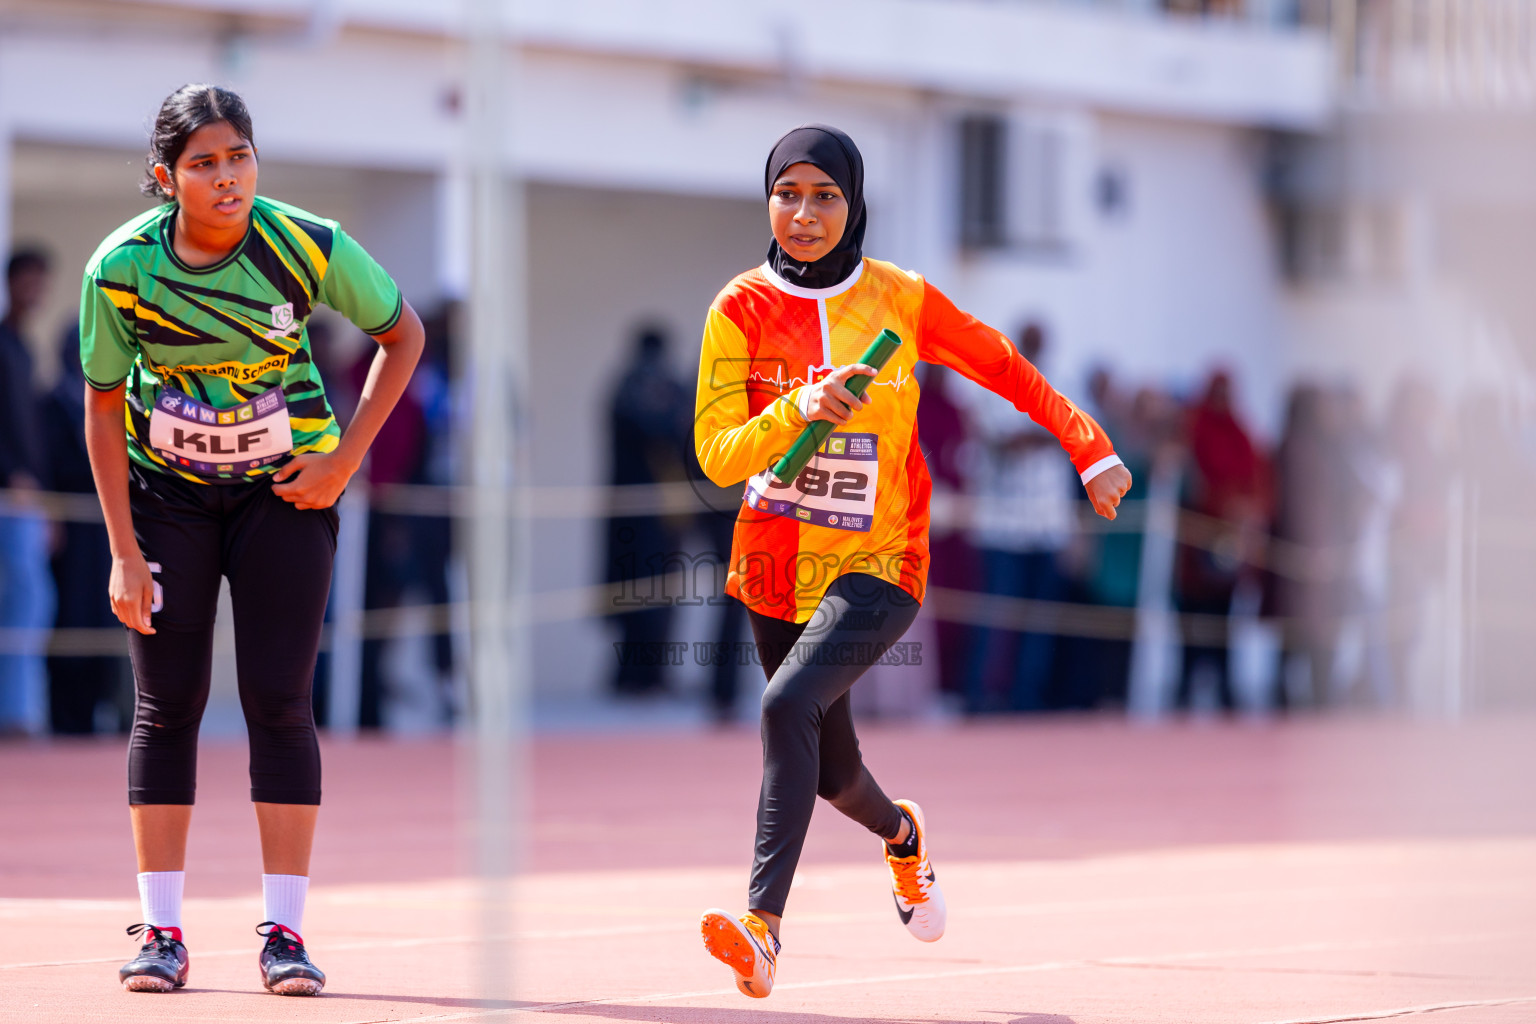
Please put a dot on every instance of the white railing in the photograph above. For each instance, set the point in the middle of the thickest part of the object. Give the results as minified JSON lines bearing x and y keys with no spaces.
{"x":1273,"y":13}
{"x":1390,"y":53}
{"x":1435,"y":53}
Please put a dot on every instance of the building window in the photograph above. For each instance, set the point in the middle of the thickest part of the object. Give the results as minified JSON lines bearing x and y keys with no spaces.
{"x":1039,"y":152}
{"x":1015,"y":182}
{"x":983,"y":173}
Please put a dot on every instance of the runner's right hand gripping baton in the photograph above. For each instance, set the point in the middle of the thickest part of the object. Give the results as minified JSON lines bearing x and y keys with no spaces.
{"x":793,"y":461}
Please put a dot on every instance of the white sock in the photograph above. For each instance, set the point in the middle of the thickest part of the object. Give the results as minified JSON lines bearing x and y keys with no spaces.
{"x":282,"y":900}
{"x":160,"y":897}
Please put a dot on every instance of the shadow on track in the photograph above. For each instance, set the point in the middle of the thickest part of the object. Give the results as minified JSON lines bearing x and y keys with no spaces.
{"x":764,"y":1015}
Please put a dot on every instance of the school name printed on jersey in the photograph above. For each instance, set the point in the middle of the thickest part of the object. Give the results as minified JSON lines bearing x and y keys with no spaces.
{"x":836,"y":489}
{"x":238,"y":373}
{"x":196,"y":437}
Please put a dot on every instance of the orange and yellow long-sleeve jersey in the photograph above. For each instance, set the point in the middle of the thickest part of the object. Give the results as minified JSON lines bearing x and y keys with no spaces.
{"x":861,"y":505}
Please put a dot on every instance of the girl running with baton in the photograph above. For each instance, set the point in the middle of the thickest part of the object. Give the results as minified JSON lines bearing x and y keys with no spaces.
{"x":832,"y":564}
{"x":192,"y":332}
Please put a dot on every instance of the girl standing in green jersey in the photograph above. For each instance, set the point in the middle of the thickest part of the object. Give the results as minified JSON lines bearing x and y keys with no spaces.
{"x":192,"y":334}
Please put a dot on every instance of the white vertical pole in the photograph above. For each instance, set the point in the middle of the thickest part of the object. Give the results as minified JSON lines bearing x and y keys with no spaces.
{"x":455,"y":219}
{"x":1154,"y":651}
{"x":348,"y":581}
{"x":497,"y":552}
{"x":1466,"y":697}
{"x":455,"y":260}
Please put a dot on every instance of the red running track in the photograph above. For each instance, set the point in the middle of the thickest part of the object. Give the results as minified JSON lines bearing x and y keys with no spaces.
{"x":1097,"y":871}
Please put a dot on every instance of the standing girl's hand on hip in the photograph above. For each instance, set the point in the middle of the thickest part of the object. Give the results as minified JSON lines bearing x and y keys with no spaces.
{"x":312,"y":480}
{"x":131,"y":589}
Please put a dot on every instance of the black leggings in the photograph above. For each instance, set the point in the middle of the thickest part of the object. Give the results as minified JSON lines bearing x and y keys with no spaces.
{"x":809,"y":746}
{"x":278,"y":561}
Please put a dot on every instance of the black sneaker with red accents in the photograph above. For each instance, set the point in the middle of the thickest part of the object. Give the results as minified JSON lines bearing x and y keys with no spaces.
{"x":161,"y":964}
{"x":285,"y":967}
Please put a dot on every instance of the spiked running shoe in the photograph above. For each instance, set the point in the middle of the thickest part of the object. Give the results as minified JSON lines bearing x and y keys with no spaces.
{"x":919,"y":900}
{"x":161,"y":964}
{"x":285,"y":967}
{"x":746,"y":946}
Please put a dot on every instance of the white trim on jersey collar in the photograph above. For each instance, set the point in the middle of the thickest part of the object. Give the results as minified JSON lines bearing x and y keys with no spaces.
{"x":813,"y":293}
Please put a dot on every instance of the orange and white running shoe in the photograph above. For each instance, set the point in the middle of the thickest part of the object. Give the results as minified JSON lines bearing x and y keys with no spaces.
{"x":746,"y":946}
{"x":919,"y":900}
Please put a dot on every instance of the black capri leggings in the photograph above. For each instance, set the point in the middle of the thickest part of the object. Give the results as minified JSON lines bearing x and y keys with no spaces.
{"x":809,"y":746}
{"x":278,"y":561}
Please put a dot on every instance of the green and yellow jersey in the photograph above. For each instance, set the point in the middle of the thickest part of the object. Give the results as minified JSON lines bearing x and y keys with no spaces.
{"x":209,"y":340}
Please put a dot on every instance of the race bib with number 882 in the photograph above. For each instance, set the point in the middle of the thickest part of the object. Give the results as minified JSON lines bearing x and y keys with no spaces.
{"x":836,"y":489}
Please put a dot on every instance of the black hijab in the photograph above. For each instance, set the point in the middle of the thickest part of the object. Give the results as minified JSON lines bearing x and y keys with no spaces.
{"x":833,"y":152}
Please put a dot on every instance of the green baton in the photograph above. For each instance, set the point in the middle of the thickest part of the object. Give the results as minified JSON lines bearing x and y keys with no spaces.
{"x":793,"y":461}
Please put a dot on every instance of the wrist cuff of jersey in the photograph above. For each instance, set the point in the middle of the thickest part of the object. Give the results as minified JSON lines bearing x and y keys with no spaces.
{"x":800,"y":398}
{"x":1107,"y":462}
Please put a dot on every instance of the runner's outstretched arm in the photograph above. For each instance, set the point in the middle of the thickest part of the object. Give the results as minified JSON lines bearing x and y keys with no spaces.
{"x":960,"y":341}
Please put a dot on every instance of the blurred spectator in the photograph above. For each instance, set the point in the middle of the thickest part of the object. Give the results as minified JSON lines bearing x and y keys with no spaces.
{"x":717,"y":524}
{"x":1373,"y":489}
{"x":1314,"y":524}
{"x":1418,"y":543}
{"x":1113,"y":559}
{"x":1491,"y":577}
{"x":81,"y":561}
{"x":407,"y":555}
{"x":1107,"y":405}
{"x":942,"y":430}
{"x":433,"y":535}
{"x":1022,"y":489}
{"x":1334,"y":494}
{"x":649,"y":418}
{"x":26,"y":597}
{"x":393,"y":459}
{"x":1225,"y":493}
{"x":337,"y":378}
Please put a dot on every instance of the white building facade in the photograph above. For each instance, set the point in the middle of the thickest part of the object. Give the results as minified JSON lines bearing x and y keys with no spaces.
{"x":1099,"y":171}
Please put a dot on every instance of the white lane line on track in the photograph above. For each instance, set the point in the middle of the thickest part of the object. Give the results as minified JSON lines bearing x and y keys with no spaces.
{"x":18,"y":906}
{"x":1309,"y":947}
{"x":976,"y":972}
{"x":1405,"y":1011}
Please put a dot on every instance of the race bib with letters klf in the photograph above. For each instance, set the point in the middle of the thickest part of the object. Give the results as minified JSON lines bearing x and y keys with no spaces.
{"x":220,"y":442}
{"x":836,"y":489}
